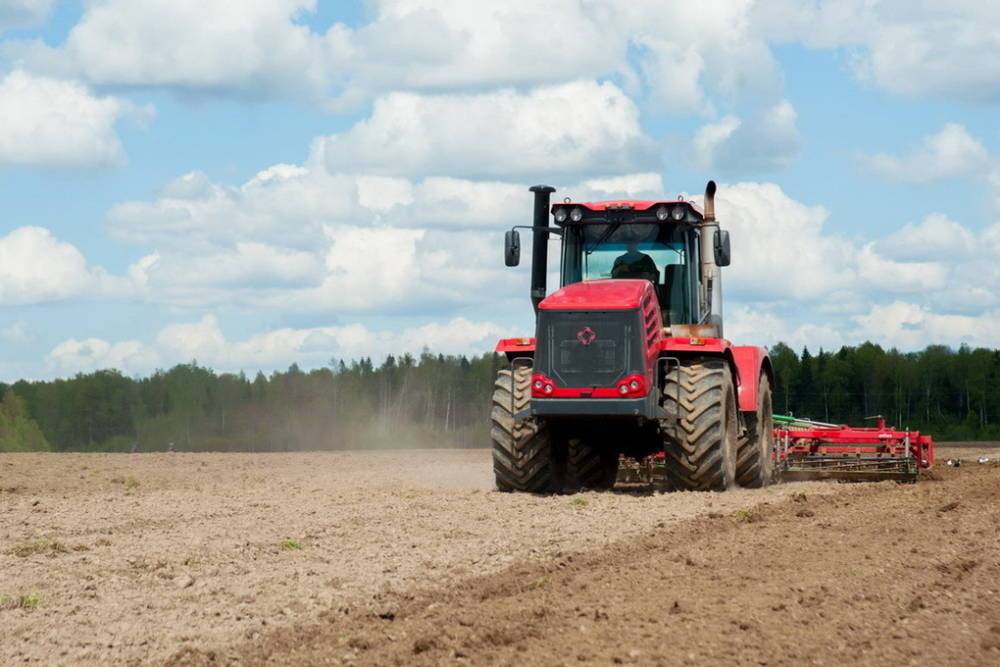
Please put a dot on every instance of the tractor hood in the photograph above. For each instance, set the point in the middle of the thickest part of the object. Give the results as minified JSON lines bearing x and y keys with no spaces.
{"x":609,"y":294}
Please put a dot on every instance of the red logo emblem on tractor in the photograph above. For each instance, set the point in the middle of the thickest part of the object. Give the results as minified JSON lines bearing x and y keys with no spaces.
{"x":586,"y":336}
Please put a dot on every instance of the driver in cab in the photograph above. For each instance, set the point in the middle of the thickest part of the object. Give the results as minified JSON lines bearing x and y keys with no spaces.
{"x":635,"y":264}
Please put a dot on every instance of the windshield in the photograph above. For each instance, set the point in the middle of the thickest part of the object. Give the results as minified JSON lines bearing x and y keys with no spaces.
{"x":633,"y":260}
{"x":666,"y":255}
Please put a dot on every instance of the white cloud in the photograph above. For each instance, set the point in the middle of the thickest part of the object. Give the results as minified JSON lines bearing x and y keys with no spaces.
{"x":36,"y":267}
{"x":629,"y":185}
{"x":913,"y":326}
{"x":204,"y":340}
{"x":48,"y":122}
{"x":780,"y":248}
{"x":689,"y":50}
{"x":74,"y":356}
{"x":947,"y":154}
{"x":442,"y":44}
{"x":571,"y":128}
{"x":16,"y":332}
{"x":936,"y":50}
{"x":757,"y":325}
{"x":305,"y":239}
{"x":767,"y":141}
{"x":686,"y":52}
{"x":934,"y":238}
{"x":887,"y":275}
{"x":923,"y":48}
{"x":249,"y":48}
{"x":23,"y":13}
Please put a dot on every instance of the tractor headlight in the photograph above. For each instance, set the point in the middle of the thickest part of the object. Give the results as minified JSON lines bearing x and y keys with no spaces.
{"x":561,"y":215}
{"x":576,"y":215}
{"x":678,"y":213}
{"x":662,"y":214}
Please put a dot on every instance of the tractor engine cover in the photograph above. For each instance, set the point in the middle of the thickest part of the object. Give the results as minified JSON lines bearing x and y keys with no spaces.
{"x":596,"y":361}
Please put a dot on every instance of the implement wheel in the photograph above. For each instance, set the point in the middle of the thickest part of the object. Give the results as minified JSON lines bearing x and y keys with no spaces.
{"x":755,"y":459}
{"x":522,"y":448}
{"x":700,"y":429}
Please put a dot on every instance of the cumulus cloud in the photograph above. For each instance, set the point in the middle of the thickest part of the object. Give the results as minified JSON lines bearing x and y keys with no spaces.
{"x":763,"y":326}
{"x":934,"y":237}
{"x":767,"y":141}
{"x":780,"y":248}
{"x":945,"y":154}
{"x":912,"y":326}
{"x":303,"y":238}
{"x":566,"y":129}
{"x":91,"y":354}
{"x":251,"y":48}
{"x":264,"y":48}
{"x":23,"y":13}
{"x":36,"y":267}
{"x":910,"y":48}
{"x":49,"y":122}
{"x":203,"y":340}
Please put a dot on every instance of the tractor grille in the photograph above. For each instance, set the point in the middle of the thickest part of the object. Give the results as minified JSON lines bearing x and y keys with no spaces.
{"x":588,"y":349}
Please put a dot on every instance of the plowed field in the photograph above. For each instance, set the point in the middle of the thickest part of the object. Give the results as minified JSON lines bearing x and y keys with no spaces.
{"x":411,"y":558}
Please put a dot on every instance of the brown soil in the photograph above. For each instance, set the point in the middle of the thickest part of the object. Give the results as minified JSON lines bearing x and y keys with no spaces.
{"x":410,"y":558}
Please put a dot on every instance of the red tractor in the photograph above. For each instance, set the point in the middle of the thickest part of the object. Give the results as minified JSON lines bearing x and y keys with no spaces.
{"x":628,"y":357}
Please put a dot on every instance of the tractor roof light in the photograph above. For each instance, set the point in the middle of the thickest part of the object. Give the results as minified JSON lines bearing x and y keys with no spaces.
{"x":678,"y":213}
{"x":662,"y":214}
{"x":576,"y":215}
{"x":561,"y":214}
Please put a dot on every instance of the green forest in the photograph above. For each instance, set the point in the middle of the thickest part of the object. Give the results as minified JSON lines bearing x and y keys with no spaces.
{"x":443,"y":401}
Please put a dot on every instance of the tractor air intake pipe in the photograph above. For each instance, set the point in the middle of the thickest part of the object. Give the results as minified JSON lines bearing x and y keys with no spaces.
{"x":540,"y":243}
{"x":711,"y":278}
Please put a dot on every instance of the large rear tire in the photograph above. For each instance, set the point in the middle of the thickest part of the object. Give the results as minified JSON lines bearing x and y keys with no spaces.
{"x":755,"y":459}
{"x":700,"y":429}
{"x":589,"y":467}
{"x":522,"y":448}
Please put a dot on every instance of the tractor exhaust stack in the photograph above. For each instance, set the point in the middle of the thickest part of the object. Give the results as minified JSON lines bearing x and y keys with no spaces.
{"x":540,"y":243}
{"x":711,"y":276}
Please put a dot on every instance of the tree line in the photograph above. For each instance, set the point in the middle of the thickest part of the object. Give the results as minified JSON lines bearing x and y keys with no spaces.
{"x":436,"y":400}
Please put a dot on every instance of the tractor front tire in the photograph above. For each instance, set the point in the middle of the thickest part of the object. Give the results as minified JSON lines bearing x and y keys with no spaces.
{"x":700,"y":429}
{"x":755,"y":457}
{"x":589,"y":467}
{"x":522,"y":448}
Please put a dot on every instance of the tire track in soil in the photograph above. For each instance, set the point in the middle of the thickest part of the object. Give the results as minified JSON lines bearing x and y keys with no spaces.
{"x":885,"y":574}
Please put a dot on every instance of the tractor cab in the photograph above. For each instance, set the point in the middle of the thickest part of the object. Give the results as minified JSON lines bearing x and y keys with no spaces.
{"x":655,"y":241}
{"x":672,"y":244}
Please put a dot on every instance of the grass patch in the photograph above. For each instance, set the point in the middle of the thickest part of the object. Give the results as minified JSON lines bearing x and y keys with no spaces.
{"x":27,"y":601}
{"x":578,"y":502}
{"x":129,"y":482}
{"x":288,"y":544}
{"x":40,"y":546}
{"x":749,"y":514}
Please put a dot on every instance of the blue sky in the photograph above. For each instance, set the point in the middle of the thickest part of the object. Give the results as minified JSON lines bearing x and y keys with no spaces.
{"x":251,"y":184}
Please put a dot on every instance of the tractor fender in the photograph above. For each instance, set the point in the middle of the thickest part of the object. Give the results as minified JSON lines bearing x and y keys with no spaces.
{"x":750,"y":362}
{"x":516,"y":347}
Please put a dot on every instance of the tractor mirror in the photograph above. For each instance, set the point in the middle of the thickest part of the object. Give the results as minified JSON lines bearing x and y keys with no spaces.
{"x":722,"y":253}
{"x":512,"y":248}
